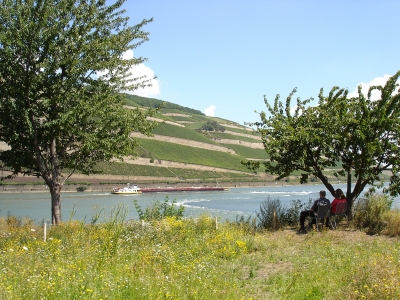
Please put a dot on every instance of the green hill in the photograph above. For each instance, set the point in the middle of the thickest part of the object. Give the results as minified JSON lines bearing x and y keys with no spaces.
{"x":181,"y":149}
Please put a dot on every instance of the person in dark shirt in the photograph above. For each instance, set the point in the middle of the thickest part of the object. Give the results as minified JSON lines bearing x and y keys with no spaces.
{"x":311,"y":212}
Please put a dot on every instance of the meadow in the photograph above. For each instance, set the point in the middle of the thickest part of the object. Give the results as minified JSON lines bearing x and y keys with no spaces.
{"x":175,"y":258}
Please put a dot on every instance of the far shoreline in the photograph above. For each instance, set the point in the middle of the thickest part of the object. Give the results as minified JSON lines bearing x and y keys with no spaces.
{"x":91,"y":188}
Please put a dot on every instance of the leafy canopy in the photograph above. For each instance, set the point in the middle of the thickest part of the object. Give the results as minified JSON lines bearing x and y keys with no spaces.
{"x":357,"y":137}
{"x":61,"y":71}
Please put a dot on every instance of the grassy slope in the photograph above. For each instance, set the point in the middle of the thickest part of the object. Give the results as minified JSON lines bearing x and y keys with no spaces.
{"x":183,"y":133}
{"x":192,"y":155}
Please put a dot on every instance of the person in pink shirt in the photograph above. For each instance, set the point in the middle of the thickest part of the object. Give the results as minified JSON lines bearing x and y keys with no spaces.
{"x":339,"y":198}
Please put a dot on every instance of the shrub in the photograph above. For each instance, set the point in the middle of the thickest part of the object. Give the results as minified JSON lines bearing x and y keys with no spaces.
{"x":81,"y":189}
{"x":293,"y":213}
{"x":369,"y":212}
{"x":160,"y":210}
{"x":273,"y":215}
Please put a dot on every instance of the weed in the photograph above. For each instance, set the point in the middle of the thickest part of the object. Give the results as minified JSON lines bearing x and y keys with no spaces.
{"x":160,"y":210}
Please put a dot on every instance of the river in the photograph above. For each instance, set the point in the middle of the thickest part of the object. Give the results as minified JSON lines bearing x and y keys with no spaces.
{"x":226,"y":205}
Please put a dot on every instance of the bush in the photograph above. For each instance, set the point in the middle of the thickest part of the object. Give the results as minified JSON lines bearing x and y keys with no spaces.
{"x":273,"y":215}
{"x":160,"y":210}
{"x":369,"y":212}
{"x":81,"y":189}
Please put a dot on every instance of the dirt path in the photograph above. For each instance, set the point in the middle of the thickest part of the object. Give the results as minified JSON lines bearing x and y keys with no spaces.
{"x":178,"y":165}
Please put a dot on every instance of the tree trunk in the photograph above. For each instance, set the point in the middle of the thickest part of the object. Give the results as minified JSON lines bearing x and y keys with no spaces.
{"x":55,"y":191}
{"x":349,"y":198}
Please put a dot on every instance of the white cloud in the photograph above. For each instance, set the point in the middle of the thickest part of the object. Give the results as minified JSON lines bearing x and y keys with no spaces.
{"x":376,"y":94}
{"x":293,"y":110}
{"x":209,"y":111}
{"x":140,"y":70}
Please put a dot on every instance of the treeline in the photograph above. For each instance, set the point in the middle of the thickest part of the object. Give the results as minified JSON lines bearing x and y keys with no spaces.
{"x":135,"y":100}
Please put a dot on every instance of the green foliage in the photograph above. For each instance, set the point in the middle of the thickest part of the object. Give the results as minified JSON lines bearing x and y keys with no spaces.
{"x":68,"y":57}
{"x":370,"y":212}
{"x":273,"y":215}
{"x":213,"y":126}
{"x":358,"y":135}
{"x":81,"y":188}
{"x":160,"y":210}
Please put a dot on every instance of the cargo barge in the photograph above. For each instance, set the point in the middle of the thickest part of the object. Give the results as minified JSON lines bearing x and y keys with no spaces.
{"x":183,"y":189}
{"x":134,"y":189}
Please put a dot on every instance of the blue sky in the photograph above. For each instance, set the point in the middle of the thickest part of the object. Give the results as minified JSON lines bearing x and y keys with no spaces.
{"x":222,"y":56}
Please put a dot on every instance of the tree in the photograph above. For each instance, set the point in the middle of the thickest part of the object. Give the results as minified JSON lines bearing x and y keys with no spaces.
{"x":62,"y":73}
{"x":353,"y":137}
{"x":213,"y":126}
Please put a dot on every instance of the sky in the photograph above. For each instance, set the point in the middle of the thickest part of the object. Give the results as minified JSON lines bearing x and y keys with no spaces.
{"x":222,"y":56}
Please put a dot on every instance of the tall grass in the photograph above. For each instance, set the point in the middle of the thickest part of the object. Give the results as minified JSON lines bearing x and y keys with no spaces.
{"x":369,"y":212}
{"x":168,"y":259}
{"x":392,"y":222}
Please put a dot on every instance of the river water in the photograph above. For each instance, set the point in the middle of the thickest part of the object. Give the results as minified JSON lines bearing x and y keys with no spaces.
{"x":227,"y":205}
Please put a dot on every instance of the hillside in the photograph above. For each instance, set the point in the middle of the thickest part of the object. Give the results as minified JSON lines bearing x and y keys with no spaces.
{"x":181,"y":151}
{"x":186,"y":148}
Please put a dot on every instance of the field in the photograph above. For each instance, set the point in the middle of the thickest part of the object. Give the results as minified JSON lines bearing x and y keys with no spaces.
{"x":182,"y":132}
{"x":193,"y":259}
{"x":192,"y":155}
{"x":248,"y":152}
